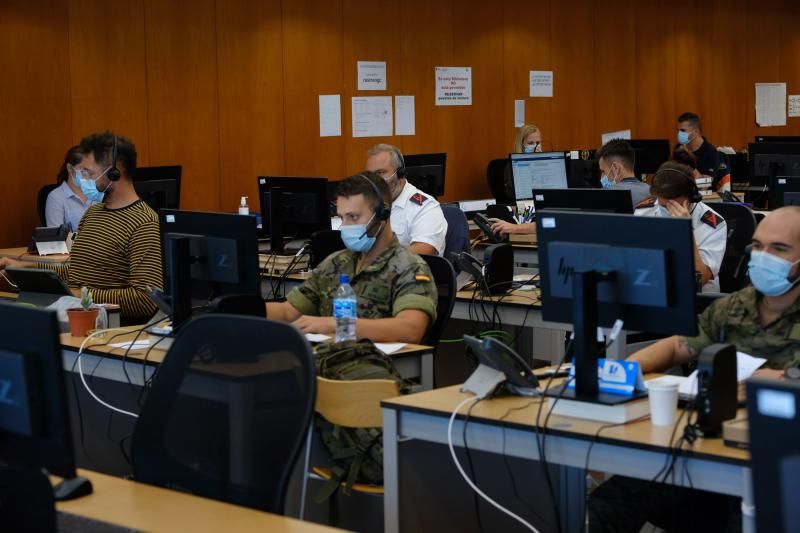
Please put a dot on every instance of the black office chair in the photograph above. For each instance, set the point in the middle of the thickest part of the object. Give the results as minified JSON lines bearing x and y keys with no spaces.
{"x":741,"y":224}
{"x":498,"y":176}
{"x":228,"y":411}
{"x":41,"y":201}
{"x":445,"y":278}
{"x":456,"y":240}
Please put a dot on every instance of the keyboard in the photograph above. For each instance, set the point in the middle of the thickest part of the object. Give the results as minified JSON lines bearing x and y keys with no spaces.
{"x":71,"y":523}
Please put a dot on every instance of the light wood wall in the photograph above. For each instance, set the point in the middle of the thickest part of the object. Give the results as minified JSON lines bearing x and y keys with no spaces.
{"x":229,"y":88}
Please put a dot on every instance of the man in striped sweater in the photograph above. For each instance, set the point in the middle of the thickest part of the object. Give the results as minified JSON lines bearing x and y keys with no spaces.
{"x":117,"y":251}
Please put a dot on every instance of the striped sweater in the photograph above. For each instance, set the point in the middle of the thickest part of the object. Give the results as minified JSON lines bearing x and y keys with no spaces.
{"x":117,"y":254}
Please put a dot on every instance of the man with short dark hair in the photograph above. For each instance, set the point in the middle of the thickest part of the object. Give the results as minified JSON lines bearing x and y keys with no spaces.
{"x":617,"y":159}
{"x":117,"y":250}
{"x":394,"y":286}
{"x":709,"y":161}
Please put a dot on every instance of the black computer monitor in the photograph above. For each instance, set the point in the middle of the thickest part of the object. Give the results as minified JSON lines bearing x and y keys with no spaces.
{"x":773,"y":412}
{"x":784,"y":190}
{"x":539,"y":170}
{"x":777,"y":139}
{"x":426,"y":172}
{"x":293,"y":208}
{"x":159,"y":187}
{"x":34,"y":420}
{"x":771,"y":159}
{"x":650,"y":154}
{"x":596,"y":268}
{"x":207,"y":255}
{"x":583,"y":173}
{"x":594,"y":200}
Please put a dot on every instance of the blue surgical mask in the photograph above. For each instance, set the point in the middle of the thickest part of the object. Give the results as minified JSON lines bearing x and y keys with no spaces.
{"x":78,"y":176}
{"x":770,"y":273}
{"x":605,"y":182}
{"x":683,"y":137}
{"x":89,"y":189}
{"x":355,"y":238}
{"x":529,"y":148}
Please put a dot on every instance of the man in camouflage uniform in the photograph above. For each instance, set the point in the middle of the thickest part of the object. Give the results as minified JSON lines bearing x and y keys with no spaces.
{"x":762,"y":320}
{"x":394,"y":286}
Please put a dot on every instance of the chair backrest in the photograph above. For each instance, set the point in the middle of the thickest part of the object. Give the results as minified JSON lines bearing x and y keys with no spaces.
{"x":741,"y":224}
{"x":228,"y":411}
{"x":41,"y":201}
{"x":354,"y":404}
{"x":456,"y":239}
{"x":497,"y":176}
{"x":445,"y":278}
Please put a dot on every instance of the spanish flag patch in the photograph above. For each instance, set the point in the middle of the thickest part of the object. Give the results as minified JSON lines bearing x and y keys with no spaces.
{"x":423,"y":277}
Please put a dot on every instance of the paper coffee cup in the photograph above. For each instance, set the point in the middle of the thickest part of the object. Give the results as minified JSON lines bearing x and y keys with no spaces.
{"x":663,"y":403}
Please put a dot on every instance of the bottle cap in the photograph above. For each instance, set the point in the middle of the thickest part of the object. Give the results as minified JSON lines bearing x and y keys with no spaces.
{"x":344,"y":278}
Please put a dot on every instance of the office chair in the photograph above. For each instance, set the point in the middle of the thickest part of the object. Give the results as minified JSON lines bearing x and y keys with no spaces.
{"x":228,"y":411}
{"x":445,"y":278}
{"x":41,"y":201}
{"x":456,"y":239}
{"x":498,"y":176}
{"x":741,"y":225}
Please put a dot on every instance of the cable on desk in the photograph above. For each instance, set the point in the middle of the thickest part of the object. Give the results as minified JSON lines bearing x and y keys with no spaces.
{"x":467,"y":478}
{"x":476,"y":498}
{"x":86,"y":385}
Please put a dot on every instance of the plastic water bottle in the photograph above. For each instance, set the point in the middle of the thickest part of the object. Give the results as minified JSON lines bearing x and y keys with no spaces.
{"x":345,"y":310}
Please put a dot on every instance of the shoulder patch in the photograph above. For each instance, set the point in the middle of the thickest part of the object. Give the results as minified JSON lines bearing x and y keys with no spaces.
{"x":419,"y":198}
{"x":647,"y":202}
{"x":423,"y":277}
{"x":712,"y":219}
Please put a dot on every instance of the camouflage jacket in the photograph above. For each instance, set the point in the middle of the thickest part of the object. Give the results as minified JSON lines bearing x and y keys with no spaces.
{"x":734,"y":319}
{"x":397,"y":280}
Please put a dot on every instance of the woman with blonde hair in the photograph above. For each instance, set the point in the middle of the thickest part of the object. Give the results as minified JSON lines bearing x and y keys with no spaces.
{"x":529,"y":139}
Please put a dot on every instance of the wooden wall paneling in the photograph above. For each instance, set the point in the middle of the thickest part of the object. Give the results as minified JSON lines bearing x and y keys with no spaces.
{"x":35,"y":103}
{"x":790,"y":56}
{"x":312,"y":65}
{"x":108,"y":72}
{"x":251,"y":121}
{"x":477,"y":43}
{"x":572,"y":36}
{"x":183,"y":107}
{"x":615,"y":71}
{"x":426,"y":44}
{"x":692,"y":39}
{"x":655,"y":70}
{"x":762,"y":57}
{"x":366,"y":41}
{"x":526,"y":47}
{"x":725,"y":118}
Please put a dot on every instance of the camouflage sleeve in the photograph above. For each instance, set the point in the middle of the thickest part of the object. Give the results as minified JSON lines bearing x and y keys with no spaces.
{"x":415,"y":289}
{"x":708,"y":326}
{"x":306,"y":298}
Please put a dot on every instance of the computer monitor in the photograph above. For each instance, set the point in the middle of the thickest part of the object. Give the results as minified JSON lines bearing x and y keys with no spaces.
{"x":293,"y":208}
{"x":777,"y":139}
{"x":159,"y":187}
{"x":596,"y":268}
{"x":34,"y":421}
{"x":426,"y":172}
{"x":583,"y":173}
{"x":784,"y":190}
{"x":770,"y":159}
{"x":539,"y":170}
{"x":207,"y":255}
{"x":650,"y":154}
{"x":594,"y":200}
{"x":773,"y":412}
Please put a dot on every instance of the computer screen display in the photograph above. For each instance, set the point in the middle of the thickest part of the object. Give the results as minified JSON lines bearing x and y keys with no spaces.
{"x":427,"y":172}
{"x":593,"y":200}
{"x":543,"y":170}
{"x":159,"y":187}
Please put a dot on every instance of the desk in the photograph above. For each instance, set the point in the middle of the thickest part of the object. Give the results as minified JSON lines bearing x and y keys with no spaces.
{"x":145,"y":507}
{"x":22,"y":254}
{"x":636,"y":450}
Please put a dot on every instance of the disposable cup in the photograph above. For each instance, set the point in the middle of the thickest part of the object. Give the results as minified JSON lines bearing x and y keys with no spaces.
{"x":663,"y":403}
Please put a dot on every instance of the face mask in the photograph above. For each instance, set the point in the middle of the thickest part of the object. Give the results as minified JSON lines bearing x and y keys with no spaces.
{"x":529,"y":148}
{"x":89,"y":189}
{"x":770,"y":273}
{"x":683,"y":137}
{"x":78,"y":176}
{"x":606,"y":183}
{"x":355,"y":238}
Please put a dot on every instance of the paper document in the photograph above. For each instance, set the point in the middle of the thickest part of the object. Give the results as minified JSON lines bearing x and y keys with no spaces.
{"x":611,"y":135}
{"x":330,"y":115}
{"x":372,"y":75}
{"x":372,"y":116}
{"x":317,"y":337}
{"x":519,"y":113}
{"x":687,"y":386}
{"x":404,"y":121}
{"x":794,"y":105}
{"x":390,"y":347}
{"x":771,"y":104}
{"x":453,"y":85}
{"x":541,"y":83}
{"x":131,"y":345}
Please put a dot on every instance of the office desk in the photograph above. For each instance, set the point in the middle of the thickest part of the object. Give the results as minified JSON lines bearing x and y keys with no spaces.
{"x":143,"y":507}
{"x":22,"y":254}
{"x":636,"y":449}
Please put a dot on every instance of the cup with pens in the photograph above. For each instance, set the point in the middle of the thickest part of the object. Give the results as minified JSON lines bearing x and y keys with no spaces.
{"x":526,"y":216}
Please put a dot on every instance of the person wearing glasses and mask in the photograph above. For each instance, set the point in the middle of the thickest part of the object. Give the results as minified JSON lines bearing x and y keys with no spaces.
{"x":393,"y":285}
{"x":417,"y":218}
{"x":66,"y":204}
{"x":675,"y":195}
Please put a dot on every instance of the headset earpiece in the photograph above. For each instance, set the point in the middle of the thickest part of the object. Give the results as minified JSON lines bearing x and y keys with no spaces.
{"x":401,"y":171}
{"x":113,"y":173}
{"x":382,"y":212}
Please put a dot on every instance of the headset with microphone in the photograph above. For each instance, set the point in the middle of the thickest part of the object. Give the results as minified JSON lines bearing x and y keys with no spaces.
{"x":113,"y":173}
{"x":401,"y":170}
{"x":382,"y":212}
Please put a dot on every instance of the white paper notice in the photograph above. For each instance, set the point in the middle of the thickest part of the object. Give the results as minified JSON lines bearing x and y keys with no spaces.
{"x":317,"y":337}
{"x":453,"y":85}
{"x":372,"y":116}
{"x":794,"y":105}
{"x":611,"y":135}
{"x":389,"y":347}
{"x":519,"y":113}
{"x":330,"y":115}
{"x":541,"y":83}
{"x":771,"y":104}
{"x":404,"y":117}
{"x":372,"y":75}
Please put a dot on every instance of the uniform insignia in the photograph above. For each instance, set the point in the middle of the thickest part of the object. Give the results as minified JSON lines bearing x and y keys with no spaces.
{"x":647,"y":202}
{"x":422,"y":277}
{"x":419,"y":198}
{"x":711,"y":218}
